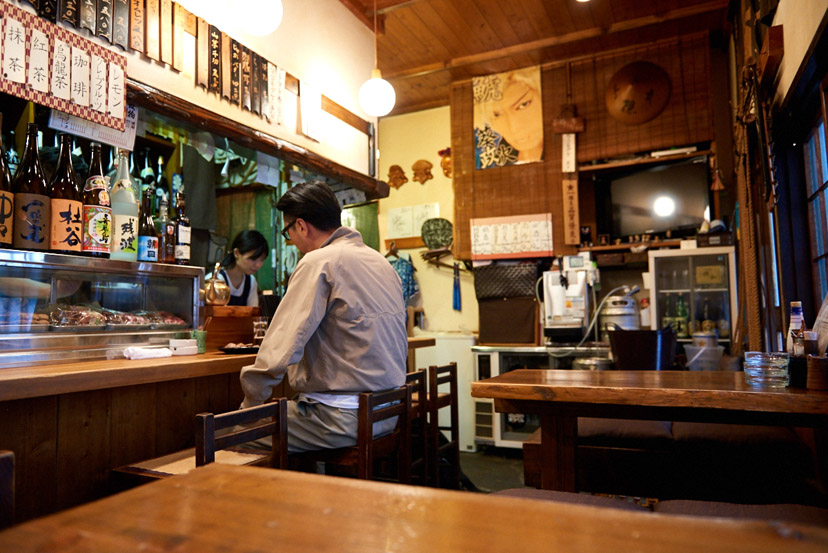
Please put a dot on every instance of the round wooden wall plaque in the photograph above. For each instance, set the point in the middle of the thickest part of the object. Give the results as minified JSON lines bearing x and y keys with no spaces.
{"x":637,"y":92}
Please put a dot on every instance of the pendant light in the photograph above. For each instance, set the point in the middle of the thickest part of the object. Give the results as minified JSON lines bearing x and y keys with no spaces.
{"x":376,"y":95}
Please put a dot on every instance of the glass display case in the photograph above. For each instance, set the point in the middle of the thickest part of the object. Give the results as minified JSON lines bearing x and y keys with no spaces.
{"x":694,"y":290}
{"x":62,"y":308}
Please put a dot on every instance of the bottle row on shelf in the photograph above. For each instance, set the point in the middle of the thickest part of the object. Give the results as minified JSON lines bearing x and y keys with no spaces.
{"x":100,"y":216}
{"x":676,"y":314}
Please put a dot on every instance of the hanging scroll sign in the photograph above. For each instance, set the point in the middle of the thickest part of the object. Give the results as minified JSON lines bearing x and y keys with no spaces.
{"x":120,"y":23}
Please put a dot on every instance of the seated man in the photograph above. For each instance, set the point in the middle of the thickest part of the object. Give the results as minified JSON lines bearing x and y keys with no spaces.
{"x":338,"y":331}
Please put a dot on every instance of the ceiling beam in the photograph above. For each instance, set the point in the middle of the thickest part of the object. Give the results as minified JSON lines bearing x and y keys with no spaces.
{"x":526,"y":47}
{"x":364,"y":10}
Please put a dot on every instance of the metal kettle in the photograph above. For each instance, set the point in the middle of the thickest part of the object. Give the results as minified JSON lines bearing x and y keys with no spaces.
{"x":216,"y":291}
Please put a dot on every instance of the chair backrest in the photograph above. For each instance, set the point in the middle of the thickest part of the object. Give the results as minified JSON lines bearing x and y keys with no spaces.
{"x":6,"y":488}
{"x":269,"y":419}
{"x":418,"y":382}
{"x":643,"y":350}
{"x":450,"y":450}
{"x":375,"y":407}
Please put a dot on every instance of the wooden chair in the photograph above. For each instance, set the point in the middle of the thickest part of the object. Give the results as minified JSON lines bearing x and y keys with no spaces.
{"x":359,"y":459}
{"x":258,"y":422}
{"x":6,"y":488}
{"x":418,"y":419}
{"x":448,"y":452}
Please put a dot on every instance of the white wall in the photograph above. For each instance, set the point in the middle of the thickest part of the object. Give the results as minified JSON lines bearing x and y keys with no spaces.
{"x":404,"y":139}
{"x":801,"y":20}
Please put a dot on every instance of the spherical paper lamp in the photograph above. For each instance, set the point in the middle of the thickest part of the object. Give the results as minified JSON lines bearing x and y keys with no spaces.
{"x":376,"y":95}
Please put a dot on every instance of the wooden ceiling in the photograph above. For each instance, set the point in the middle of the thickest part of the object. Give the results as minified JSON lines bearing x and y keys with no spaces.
{"x":425,"y":45}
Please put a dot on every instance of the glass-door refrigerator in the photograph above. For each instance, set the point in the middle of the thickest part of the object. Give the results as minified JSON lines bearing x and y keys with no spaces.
{"x":694,"y":290}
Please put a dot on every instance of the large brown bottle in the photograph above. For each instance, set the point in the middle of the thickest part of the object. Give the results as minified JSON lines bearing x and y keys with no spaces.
{"x":6,"y":200}
{"x":31,"y":199}
{"x":182,"y":232}
{"x":97,"y":212}
{"x":67,"y":207}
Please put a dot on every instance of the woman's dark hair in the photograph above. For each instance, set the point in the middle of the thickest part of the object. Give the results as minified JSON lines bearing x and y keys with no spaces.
{"x":314,"y":202}
{"x":246,"y":241}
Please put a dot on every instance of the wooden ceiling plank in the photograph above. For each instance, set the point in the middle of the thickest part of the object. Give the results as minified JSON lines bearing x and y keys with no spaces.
{"x":681,"y":13}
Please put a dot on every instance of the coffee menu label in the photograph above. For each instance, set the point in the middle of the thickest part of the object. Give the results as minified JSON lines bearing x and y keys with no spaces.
{"x":6,"y":217}
{"x":67,"y":224}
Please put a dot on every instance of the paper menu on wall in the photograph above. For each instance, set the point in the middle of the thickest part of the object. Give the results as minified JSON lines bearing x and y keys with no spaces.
{"x":407,"y":222}
{"x":512,"y":237}
{"x":65,"y":122}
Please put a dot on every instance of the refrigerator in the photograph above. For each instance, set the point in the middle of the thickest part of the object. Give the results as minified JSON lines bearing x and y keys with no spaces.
{"x":703,"y":280}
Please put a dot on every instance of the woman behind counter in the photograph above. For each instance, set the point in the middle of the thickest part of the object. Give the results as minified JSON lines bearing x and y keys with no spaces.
{"x":247,"y":255}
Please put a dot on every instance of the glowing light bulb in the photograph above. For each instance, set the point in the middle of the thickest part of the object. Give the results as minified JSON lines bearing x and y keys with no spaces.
{"x":376,"y":95}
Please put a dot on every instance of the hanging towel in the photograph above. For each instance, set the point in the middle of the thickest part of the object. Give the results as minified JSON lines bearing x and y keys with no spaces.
{"x":405,"y":269}
{"x":456,"y":303}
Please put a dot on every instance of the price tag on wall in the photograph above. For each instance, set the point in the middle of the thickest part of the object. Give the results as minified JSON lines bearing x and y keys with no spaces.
{"x":64,"y":122}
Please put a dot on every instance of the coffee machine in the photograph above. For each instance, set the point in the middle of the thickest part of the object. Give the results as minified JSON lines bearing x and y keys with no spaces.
{"x":566,"y":305}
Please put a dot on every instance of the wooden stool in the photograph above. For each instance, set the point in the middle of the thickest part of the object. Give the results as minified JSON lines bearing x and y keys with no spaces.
{"x":373,"y":407}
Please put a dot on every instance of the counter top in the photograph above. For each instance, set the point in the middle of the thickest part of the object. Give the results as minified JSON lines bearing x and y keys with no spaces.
{"x":45,"y":380}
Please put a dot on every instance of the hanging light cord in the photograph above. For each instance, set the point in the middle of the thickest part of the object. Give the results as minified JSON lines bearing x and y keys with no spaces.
{"x":376,"y":62}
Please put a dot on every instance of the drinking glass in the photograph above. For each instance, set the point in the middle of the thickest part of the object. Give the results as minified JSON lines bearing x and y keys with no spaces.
{"x":766,"y":370}
{"x":259,"y":330}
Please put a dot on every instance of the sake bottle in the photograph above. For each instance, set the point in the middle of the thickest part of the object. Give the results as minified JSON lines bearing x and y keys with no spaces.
{"x":182,"y":232}
{"x":67,"y":207}
{"x":124,"y":213}
{"x":6,"y":200}
{"x":147,"y":235}
{"x":97,"y":210}
{"x":32,"y":206}
{"x":166,"y":234}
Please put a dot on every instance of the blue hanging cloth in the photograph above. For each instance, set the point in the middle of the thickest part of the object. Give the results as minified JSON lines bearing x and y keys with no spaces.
{"x":456,"y":303}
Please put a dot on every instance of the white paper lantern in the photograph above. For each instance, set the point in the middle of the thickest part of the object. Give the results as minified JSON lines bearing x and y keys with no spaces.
{"x":376,"y":95}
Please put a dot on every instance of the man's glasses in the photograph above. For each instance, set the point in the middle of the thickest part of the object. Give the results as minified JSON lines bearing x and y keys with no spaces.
{"x":287,"y":228}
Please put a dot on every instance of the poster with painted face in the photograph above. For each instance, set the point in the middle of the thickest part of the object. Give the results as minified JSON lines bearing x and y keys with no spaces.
{"x":508,"y":118}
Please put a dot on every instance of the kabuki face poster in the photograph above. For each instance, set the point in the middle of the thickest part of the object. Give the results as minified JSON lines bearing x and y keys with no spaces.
{"x":508,"y":118}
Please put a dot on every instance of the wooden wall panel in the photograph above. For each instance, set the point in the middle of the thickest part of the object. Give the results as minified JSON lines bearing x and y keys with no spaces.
{"x":212,"y":394}
{"x":133,"y":424}
{"x":29,"y":429}
{"x":536,"y":187}
{"x":83,"y":445}
{"x":175,"y":415}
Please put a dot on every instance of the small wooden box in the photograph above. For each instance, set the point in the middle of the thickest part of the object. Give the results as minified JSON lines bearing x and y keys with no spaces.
{"x":229,"y":323}
{"x":713,"y":240}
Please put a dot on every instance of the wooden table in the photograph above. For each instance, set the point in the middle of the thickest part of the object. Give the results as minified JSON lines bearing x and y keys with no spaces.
{"x":239,"y":509}
{"x":560,"y":397}
{"x":415,"y":342}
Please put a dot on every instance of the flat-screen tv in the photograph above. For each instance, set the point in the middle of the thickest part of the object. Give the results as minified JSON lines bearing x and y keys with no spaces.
{"x":670,"y":196}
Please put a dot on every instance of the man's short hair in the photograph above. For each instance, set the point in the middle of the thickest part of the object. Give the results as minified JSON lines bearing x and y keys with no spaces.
{"x":314,"y":202}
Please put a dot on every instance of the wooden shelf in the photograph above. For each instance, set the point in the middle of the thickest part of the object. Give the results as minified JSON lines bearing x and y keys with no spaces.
{"x":651,"y":245}
{"x":586,"y":168}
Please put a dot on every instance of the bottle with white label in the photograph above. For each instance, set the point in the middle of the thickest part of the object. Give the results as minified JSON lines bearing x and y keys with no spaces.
{"x":182,"y":232}
{"x":124,"y":244}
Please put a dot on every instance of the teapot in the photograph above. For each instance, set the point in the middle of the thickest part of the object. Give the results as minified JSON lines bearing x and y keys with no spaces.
{"x":216,"y":291}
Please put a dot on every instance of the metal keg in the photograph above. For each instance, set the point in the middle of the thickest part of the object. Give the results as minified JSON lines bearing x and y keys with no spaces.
{"x":621,"y":311}
{"x":591,"y":364}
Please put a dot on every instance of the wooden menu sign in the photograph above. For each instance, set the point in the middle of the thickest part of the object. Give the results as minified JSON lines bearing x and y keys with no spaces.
{"x":88,"y":15}
{"x":120,"y":23}
{"x":214,"y":79}
{"x":235,"y":72}
{"x":68,"y":12}
{"x":203,"y":53}
{"x":104,"y":29}
{"x":167,"y":32}
{"x":265,"y":98}
{"x":152,"y":25}
{"x":47,"y":9}
{"x":136,"y":25}
{"x":225,"y":65}
{"x":255,"y":84}
{"x":179,"y":24}
{"x":245,"y":83}
{"x":572,"y":224}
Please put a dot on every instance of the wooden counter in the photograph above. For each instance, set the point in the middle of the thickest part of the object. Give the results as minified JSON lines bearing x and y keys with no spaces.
{"x":46,"y":380}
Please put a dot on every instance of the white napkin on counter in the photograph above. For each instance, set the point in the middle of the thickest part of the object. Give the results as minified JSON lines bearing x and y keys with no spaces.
{"x":146,"y":353}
